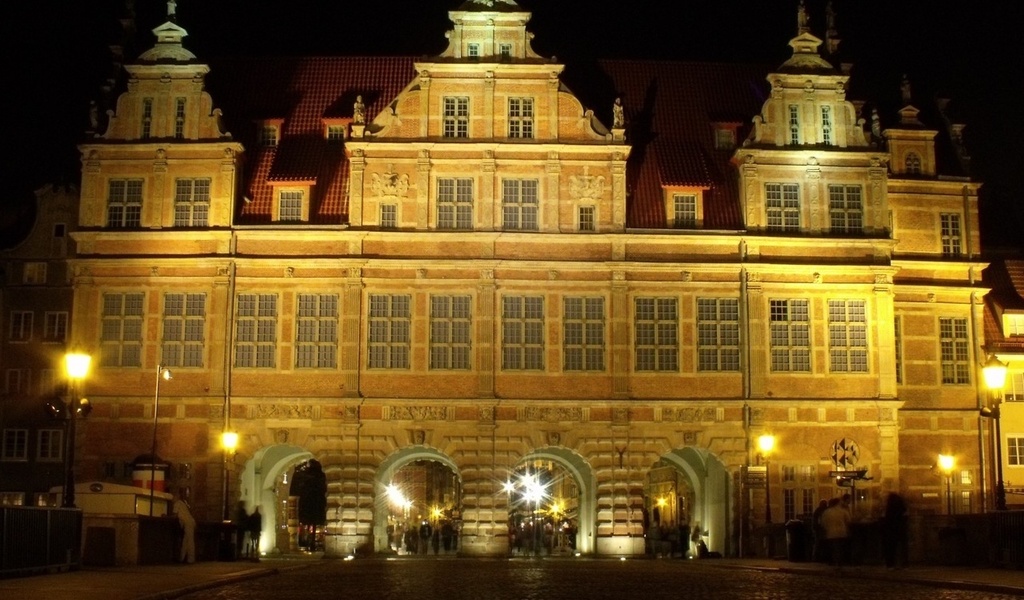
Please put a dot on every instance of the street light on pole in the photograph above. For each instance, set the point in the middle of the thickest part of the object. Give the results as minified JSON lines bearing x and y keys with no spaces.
{"x":994,"y":373}
{"x":229,"y":441}
{"x":162,"y":373}
{"x":766,"y":444}
{"x":77,"y":366}
{"x":946,"y":464}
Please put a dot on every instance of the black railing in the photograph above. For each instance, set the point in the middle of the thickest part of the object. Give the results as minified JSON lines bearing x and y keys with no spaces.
{"x":36,"y":539}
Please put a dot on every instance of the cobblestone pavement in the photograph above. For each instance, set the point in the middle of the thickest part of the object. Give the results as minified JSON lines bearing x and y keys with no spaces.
{"x":591,"y":579}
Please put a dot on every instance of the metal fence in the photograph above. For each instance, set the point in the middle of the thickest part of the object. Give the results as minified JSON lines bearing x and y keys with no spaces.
{"x":36,"y":539}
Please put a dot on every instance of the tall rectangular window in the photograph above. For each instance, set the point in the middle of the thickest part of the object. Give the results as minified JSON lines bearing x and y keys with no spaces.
{"x":473,"y":50}
{"x":456,"y":117}
{"x":519,"y":204}
{"x":587,"y":218}
{"x":847,"y":336}
{"x":21,"y":326}
{"x":179,"y":118}
{"x":1015,"y":450}
{"x":656,"y":334}
{"x":15,"y":447}
{"x":390,"y":336}
{"x":505,"y":51}
{"x":951,"y":240}
{"x":845,"y":209}
{"x":147,"y":118}
{"x":388,"y":216}
{"x":268,"y":136}
{"x":782,"y":206}
{"x":124,"y":203}
{"x":583,"y":325}
{"x":121,"y":330}
{"x":684,"y":211}
{"x":898,"y":335}
{"x":184,"y":325}
{"x":191,"y":202}
{"x":954,"y":350}
{"x":520,"y":117}
{"x":522,"y":333}
{"x":51,"y":445}
{"x":794,"y":124}
{"x":17,"y":381}
{"x":718,"y":334}
{"x":256,"y":331}
{"x":55,"y":326}
{"x":34,"y":273}
{"x":290,"y":208}
{"x":826,"y":125}
{"x":790,"y":334}
{"x":450,"y":327}
{"x":455,"y":203}
{"x":316,"y":331}
{"x":1013,"y":389}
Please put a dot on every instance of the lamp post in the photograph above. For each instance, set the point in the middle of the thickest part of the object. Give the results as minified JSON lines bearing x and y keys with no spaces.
{"x":946,"y":463}
{"x":77,"y":366}
{"x":766,"y":443}
{"x":162,"y":373}
{"x":994,"y":373}
{"x":229,"y":441}
{"x":533,"y":492}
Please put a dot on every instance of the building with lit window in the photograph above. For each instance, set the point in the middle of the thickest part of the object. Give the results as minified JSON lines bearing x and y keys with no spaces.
{"x":483,"y":260}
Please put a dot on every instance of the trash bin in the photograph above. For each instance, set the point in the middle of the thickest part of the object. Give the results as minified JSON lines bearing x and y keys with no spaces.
{"x":796,"y":538}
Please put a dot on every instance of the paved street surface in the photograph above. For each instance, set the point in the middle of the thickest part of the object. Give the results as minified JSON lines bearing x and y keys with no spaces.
{"x":432,"y":578}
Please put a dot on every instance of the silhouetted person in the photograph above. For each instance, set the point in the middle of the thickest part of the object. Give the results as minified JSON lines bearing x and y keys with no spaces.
{"x":894,"y":531}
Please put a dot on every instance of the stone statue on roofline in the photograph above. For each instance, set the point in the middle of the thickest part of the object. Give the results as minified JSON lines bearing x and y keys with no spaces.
{"x":618,"y":115}
{"x":802,"y":20}
{"x":359,"y":111}
{"x":905,"y":90}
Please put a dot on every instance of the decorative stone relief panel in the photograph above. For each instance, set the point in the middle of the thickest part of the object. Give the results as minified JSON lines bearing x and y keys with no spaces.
{"x":417,"y":413}
{"x":535,"y":413}
{"x":282,"y":411}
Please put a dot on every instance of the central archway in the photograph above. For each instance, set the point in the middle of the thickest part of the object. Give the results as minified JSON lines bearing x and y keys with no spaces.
{"x":586,"y":485}
{"x":388,"y":498}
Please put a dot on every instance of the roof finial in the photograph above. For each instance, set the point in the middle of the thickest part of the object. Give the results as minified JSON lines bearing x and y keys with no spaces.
{"x":802,"y":22}
{"x":905,"y":90}
{"x":171,"y":10}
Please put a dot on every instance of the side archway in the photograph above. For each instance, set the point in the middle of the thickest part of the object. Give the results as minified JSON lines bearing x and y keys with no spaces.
{"x":258,"y":486}
{"x":710,"y":486}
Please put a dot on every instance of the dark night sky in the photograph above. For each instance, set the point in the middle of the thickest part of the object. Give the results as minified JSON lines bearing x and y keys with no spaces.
{"x":967,"y":51}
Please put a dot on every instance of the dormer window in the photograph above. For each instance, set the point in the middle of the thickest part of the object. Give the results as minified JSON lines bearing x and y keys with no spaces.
{"x":335,"y":133}
{"x":473,"y":50}
{"x":147,"y":118}
{"x":505,"y":51}
{"x":684,"y":211}
{"x":1013,"y":324}
{"x":913,"y":164}
{"x":268,"y":135}
{"x":794,"y":124}
{"x":725,"y":136}
{"x":290,"y":206}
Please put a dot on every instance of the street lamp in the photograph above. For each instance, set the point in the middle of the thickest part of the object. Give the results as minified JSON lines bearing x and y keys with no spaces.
{"x":994,"y":373}
{"x":162,"y":373}
{"x":76,"y":364}
{"x":533,"y":492}
{"x":946,"y":464}
{"x":229,"y":441}
{"x":766,"y":443}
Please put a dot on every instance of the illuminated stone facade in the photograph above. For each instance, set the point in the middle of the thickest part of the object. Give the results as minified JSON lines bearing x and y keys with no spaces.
{"x":371,"y":262}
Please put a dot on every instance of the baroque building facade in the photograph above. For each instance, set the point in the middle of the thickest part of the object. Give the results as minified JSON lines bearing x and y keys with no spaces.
{"x":381,"y":263}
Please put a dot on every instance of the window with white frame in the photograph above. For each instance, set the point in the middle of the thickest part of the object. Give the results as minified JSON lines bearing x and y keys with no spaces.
{"x":505,"y":51}
{"x":656,"y":334}
{"x":1013,"y":388}
{"x":583,"y":326}
{"x":718,"y":334}
{"x":826,"y":125}
{"x":124,"y":203}
{"x":684,"y":211}
{"x":782,"y":206}
{"x":388,"y":216}
{"x":184,"y":329}
{"x":179,"y":118}
{"x":519,"y":204}
{"x":290,"y":205}
{"x":950,"y":231}
{"x":17,"y":381}
{"x":520,"y":117}
{"x":847,"y":336}
{"x":192,"y":202}
{"x":55,"y":326}
{"x":913,"y":164}
{"x":587,"y":219}
{"x":50,"y":447}
{"x":21,"y":326}
{"x":1015,"y":450}
{"x":256,"y":331}
{"x":335,"y":133}
{"x":450,"y":332}
{"x":1013,"y":324}
{"x":390,"y":331}
{"x":522,"y":333}
{"x":954,"y":350}
{"x":799,"y":485}
{"x":316,"y":331}
{"x":455,"y":117}
{"x":473,"y":50}
{"x":147,"y":118}
{"x":268,"y":136}
{"x":34,"y":273}
{"x":121,"y":330}
{"x":455,"y":203}
{"x":15,"y":447}
{"x":794,"y":124}
{"x":898,"y":338}
{"x":845,"y":209}
{"x":790,"y":335}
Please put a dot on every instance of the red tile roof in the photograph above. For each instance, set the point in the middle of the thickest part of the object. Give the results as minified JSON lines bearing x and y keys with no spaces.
{"x":1006,"y":278}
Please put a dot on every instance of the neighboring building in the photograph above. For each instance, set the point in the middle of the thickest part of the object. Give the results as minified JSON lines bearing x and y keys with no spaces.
{"x":384,"y":263}
{"x":35,"y":304}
